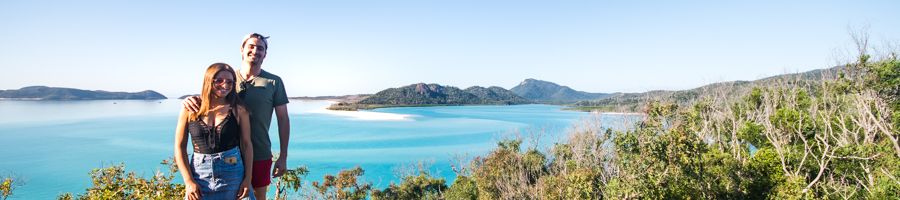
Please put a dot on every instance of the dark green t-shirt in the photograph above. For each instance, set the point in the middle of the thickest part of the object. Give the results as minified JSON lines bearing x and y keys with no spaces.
{"x":260,"y":95}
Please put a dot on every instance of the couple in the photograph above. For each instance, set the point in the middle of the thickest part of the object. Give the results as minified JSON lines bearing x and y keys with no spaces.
{"x":229,"y":128}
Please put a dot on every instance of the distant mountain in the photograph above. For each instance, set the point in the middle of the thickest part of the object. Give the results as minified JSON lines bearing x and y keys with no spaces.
{"x":631,"y":102}
{"x":422,"y":94}
{"x":56,"y":93}
{"x":545,"y":91}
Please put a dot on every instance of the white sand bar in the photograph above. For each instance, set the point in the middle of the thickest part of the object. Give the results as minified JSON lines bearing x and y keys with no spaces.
{"x":364,"y":115}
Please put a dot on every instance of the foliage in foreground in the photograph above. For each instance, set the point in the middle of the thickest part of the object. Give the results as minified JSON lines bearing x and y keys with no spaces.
{"x":114,"y":183}
{"x":8,"y":184}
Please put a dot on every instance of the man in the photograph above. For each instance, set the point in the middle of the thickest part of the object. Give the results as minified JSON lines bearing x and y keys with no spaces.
{"x":262,"y":92}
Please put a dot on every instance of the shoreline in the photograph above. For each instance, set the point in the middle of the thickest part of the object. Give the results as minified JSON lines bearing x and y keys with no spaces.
{"x":370,"y":107}
{"x":616,"y":113}
{"x":365,"y":107}
{"x":362,"y":114}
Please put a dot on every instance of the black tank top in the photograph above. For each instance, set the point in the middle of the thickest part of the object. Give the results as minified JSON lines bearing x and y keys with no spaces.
{"x":208,"y":139}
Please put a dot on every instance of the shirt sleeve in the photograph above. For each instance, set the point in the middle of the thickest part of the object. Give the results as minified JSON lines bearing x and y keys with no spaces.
{"x":280,"y":97}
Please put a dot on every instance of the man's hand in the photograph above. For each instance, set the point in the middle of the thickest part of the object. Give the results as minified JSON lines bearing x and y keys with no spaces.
{"x":280,"y":166}
{"x":191,"y":103}
{"x":244,"y":189}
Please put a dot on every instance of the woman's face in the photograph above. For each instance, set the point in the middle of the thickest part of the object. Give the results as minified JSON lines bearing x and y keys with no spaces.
{"x":223,"y":84}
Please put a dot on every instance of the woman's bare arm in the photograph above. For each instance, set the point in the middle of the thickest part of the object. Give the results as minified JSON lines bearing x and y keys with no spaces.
{"x":180,"y":147}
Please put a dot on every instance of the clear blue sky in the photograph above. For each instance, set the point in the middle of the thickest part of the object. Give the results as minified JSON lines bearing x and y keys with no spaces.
{"x":351,"y":47}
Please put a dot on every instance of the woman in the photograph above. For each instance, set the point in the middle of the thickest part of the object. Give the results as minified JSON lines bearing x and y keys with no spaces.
{"x":220,"y":132}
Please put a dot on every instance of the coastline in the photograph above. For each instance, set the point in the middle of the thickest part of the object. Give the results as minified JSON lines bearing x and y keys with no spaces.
{"x":362,"y":114}
{"x":368,"y":107}
{"x":616,"y":113}
{"x":21,"y":99}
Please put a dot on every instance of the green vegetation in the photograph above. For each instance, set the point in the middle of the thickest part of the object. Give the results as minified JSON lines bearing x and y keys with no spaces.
{"x":496,"y":95}
{"x":8,"y":184}
{"x":114,"y":183}
{"x":421,"y":93}
{"x":292,"y":179}
{"x":343,"y":186}
{"x":420,"y":186}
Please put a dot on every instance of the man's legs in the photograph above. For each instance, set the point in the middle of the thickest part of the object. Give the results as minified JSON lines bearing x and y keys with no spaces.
{"x":260,"y":192}
{"x":262,"y":177}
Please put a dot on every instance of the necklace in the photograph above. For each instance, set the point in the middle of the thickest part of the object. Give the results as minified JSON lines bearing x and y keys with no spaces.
{"x":218,"y":107}
{"x":249,"y":76}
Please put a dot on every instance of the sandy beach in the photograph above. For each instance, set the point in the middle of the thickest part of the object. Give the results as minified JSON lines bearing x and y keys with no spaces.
{"x":363,"y":115}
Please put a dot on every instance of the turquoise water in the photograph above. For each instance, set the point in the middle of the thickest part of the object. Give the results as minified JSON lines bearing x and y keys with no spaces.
{"x":53,"y":145}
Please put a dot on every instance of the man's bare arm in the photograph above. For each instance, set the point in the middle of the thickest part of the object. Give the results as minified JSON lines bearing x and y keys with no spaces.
{"x":284,"y":132}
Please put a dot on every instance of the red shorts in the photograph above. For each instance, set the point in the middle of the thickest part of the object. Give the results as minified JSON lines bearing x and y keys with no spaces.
{"x":262,"y":173}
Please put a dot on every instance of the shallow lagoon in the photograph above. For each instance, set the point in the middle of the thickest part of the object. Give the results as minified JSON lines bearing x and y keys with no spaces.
{"x":53,"y":145}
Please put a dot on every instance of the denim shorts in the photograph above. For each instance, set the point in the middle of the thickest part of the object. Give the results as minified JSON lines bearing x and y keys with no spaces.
{"x":219,"y":174}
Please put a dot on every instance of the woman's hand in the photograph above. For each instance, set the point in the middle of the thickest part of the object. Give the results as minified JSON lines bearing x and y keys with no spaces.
{"x":192,"y":191}
{"x":244,"y":190}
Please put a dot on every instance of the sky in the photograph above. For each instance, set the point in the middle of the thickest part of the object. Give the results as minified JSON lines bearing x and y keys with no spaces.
{"x":353,"y":47}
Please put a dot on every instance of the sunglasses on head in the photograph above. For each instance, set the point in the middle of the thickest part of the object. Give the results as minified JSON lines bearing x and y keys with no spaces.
{"x":220,"y":81}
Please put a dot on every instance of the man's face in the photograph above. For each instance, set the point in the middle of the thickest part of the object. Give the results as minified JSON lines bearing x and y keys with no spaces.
{"x":254,"y":51}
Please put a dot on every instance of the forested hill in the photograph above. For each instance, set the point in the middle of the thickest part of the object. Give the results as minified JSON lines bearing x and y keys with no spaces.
{"x":57,"y":93}
{"x":631,"y":102}
{"x":496,"y":95}
{"x":422,"y":94}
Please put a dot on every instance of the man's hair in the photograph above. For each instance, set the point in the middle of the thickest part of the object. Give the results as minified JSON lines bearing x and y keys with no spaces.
{"x":258,"y":36}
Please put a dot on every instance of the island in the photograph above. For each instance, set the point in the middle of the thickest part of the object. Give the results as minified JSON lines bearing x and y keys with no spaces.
{"x":421,"y":94}
{"x":59,"y":93}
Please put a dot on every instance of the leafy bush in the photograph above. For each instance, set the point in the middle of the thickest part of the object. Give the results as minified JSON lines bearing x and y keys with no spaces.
{"x":115,"y":183}
{"x":343,"y":186}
